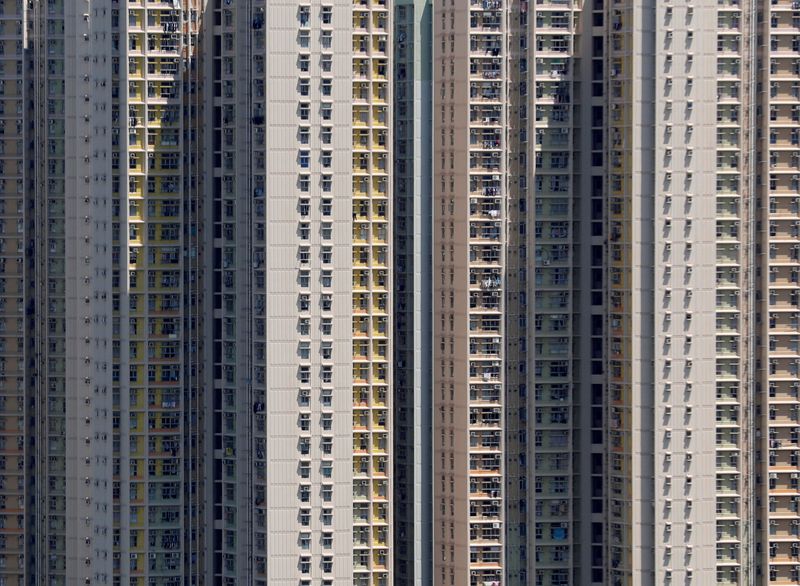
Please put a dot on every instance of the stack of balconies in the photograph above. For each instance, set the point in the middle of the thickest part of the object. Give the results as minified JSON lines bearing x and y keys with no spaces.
{"x":371,"y":285}
{"x":487,"y":193}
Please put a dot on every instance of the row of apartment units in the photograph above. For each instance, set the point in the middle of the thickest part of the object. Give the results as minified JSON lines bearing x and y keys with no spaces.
{"x":373,"y":292}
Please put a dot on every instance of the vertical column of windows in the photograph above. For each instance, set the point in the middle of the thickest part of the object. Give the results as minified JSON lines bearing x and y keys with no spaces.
{"x":403,"y":226}
{"x":781,"y":364}
{"x":257,"y":222}
{"x":371,"y":283}
{"x":446,"y":489}
{"x":518,"y":298}
{"x":239,"y":301}
{"x":150,"y":234}
{"x":117,"y":149}
{"x":92,"y":412}
{"x":316,"y":183}
{"x":13,"y":300}
{"x":487,"y":80}
{"x":185,"y":549}
{"x":227,"y":301}
{"x":730,"y":209}
{"x":133,"y":231}
{"x":552,"y":278}
{"x":620,"y":296}
{"x":597,"y":317}
{"x":49,"y":86}
{"x":553,"y":46}
{"x":306,"y":215}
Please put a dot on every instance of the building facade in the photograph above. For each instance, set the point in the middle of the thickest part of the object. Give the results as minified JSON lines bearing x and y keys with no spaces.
{"x":613,"y":310}
{"x":302,"y":293}
{"x":197,"y":292}
{"x":474,"y":292}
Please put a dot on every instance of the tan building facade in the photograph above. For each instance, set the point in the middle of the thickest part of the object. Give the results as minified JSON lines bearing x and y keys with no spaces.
{"x":613,"y":310}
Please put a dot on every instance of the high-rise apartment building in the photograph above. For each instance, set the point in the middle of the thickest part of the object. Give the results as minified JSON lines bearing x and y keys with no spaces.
{"x":196,"y":299}
{"x":471,"y":195}
{"x":158,"y":373}
{"x":615,"y":374}
{"x":68,"y":459}
{"x":372,"y":292}
{"x":301,"y":213}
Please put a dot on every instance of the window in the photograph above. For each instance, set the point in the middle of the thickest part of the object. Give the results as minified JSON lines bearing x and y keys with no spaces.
{"x":303,"y":15}
{"x":304,"y":159}
{"x":327,"y":421}
{"x":326,"y":39}
{"x":326,"y":326}
{"x":327,"y":396}
{"x":304,"y":302}
{"x":326,"y":134}
{"x":327,"y":538}
{"x":305,"y":562}
{"x":326,"y":15}
{"x":304,"y":39}
{"x":304,"y":374}
{"x":327,"y":517}
{"x":326,"y":111}
{"x":304,"y":111}
{"x":326,"y":63}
